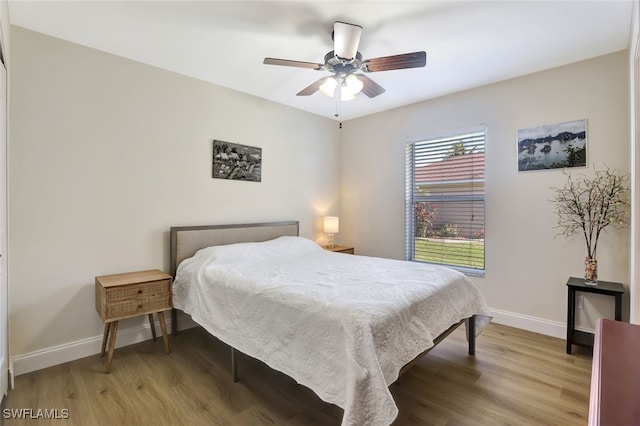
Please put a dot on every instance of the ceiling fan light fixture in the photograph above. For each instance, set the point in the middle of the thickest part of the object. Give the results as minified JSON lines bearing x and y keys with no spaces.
{"x":350,"y":87}
{"x":346,"y":94}
{"x":354,"y":84}
{"x":328,"y":88}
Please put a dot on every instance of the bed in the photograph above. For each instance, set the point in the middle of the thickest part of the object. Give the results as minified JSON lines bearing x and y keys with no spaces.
{"x":344,"y":326}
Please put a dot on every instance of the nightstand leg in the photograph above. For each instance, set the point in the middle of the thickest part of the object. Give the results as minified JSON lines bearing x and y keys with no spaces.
{"x":112,"y":344}
{"x":105,"y":336}
{"x":153,"y":327}
{"x":163,"y":327}
{"x":571,"y":317}
{"x":618,"y":311}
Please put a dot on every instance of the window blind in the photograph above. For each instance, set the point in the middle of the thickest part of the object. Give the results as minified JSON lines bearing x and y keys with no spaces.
{"x":445,"y":200}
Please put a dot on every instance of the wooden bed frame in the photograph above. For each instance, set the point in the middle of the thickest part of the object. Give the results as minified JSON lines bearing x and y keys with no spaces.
{"x":186,"y":240}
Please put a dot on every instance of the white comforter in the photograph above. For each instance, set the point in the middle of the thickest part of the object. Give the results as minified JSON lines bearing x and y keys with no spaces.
{"x":341,"y":325}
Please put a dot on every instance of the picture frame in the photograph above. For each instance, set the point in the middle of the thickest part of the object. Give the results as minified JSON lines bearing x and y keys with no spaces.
{"x":234,"y":161}
{"x":553,"y":146}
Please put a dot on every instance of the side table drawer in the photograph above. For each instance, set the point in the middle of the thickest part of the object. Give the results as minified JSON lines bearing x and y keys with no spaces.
{"x":135,"y":307}
{"x":144,"y":290}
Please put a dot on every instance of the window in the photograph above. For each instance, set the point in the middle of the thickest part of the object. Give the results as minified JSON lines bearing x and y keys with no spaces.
{"x":445,"y":200}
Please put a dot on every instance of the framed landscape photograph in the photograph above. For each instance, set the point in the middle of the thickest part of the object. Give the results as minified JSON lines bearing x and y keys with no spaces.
{"x":553,"y":146}
{"x":236,"y":162}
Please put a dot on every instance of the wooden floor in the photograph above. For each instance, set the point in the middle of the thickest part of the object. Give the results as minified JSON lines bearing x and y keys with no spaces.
{"x":516,"y":378}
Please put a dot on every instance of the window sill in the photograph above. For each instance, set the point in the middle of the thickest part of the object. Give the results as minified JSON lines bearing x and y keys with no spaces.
{"x":467,"y":271}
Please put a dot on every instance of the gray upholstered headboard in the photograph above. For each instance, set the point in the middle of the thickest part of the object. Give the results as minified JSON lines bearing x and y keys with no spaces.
{"x":187,"y":240}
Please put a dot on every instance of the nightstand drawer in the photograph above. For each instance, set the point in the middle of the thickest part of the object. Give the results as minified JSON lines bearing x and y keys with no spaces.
{"x":127,"y":295}
{"x":137,"y":291}
{"x":135,"y":307}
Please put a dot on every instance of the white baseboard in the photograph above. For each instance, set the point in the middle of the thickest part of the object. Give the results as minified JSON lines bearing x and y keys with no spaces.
{"x":525,"y":322}
{"x":55,"y":355}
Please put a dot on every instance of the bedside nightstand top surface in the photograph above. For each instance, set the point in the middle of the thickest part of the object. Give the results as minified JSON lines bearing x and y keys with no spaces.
{"x":604,"y":287}
{"x":132,"y":278}
{"x":340,"y":249}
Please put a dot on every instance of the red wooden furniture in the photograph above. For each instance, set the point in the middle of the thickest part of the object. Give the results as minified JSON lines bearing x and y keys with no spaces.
{"x":615,"y":374}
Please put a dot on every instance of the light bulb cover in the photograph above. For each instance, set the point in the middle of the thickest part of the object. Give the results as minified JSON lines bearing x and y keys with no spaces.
{"x":354,"y":83}
{"x":346,"y":94}
{"x":328,"y":87}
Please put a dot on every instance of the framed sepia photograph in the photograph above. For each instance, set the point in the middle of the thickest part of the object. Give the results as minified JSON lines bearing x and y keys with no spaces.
{"x":236,"y":162}
{"x":553,"y":146}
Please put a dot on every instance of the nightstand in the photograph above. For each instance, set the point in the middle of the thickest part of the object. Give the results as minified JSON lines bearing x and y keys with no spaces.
{"x":130,"y":295}
{"x":340,"y":249}
{"x":582,"y":338}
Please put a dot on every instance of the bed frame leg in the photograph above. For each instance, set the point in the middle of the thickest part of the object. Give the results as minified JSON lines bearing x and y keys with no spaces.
{"x":174,"y":322}
{"x":471,"y":334}
{"x":234,"y":367}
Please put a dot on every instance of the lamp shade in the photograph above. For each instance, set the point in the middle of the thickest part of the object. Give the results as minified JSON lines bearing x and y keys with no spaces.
{"x":328,"y":88}
{"x":331,"y":224}
{"x":346,"y":94}
{"x":354,"y":83}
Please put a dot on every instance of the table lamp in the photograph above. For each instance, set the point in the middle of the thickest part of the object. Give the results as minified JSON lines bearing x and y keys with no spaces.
{"x":331,"y":227}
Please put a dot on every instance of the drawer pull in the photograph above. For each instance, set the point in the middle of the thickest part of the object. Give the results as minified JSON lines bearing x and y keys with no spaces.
{"x":139,"y":291}
{"x":139,"y":306}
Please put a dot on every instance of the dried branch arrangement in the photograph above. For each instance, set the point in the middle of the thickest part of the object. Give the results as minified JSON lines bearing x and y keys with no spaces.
{"x":591,"y":205}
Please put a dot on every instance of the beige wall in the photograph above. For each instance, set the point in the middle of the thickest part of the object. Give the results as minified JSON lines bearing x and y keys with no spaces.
{"x":106,"y":154}
{"x":526,"y":267}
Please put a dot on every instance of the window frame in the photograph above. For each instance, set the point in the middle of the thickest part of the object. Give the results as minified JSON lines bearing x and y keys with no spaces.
{"x":411,"y":199}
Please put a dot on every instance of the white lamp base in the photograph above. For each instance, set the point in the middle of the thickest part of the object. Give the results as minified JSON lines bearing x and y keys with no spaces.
{"x":330,"y":244}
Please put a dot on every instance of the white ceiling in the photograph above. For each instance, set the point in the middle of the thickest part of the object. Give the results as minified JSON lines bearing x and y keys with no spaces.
{"x":468,"y":43}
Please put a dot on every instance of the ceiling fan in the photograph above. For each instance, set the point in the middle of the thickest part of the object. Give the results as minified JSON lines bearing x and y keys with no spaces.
{"x":344,"y":61}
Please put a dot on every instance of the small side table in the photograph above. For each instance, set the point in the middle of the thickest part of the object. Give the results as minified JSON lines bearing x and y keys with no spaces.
{"x":577,"y":337}
{"x":130,"y":295}
{"x":340,"y":249}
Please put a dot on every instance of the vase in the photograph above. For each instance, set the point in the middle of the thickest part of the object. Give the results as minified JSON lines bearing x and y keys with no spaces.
{"x":590,"y":271}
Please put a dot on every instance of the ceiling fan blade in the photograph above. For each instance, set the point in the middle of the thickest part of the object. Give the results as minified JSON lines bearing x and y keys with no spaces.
{"x":289,"y":63}
{"x":312,"y":88}
{"x":346,"y":38}
{"x":395,"y":62}
{"x":370,"y":88}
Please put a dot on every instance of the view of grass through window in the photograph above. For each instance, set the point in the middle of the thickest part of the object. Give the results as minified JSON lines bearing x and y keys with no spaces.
{"x":466,"y":254}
